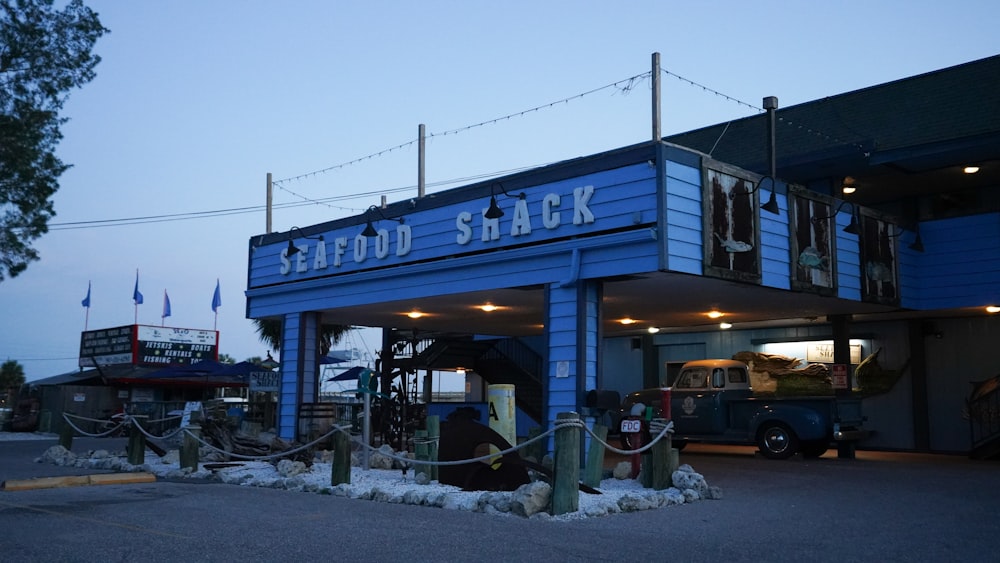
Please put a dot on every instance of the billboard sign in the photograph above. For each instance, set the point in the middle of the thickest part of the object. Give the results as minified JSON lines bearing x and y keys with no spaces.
{"x":172,"y":346}
{"x":107,"y":346}
{"x":147,"y":346}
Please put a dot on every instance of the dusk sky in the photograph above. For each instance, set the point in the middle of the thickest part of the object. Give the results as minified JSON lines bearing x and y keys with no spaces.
{"x":195,"y":102}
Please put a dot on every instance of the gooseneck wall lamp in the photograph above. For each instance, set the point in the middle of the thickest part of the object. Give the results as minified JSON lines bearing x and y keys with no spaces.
{"x":494,"y":211}
{"x":292,"y":249}
{"x":917,"y":245}
{"x":852,"y":228}
{"x":370,"y":231}
{"x":772,"y":203}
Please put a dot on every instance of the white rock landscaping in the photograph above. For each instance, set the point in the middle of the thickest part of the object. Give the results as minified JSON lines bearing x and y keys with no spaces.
{"x":532,"y":500}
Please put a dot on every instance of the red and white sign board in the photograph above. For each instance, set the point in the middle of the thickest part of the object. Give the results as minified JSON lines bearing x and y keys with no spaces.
{"x":839,"y":375}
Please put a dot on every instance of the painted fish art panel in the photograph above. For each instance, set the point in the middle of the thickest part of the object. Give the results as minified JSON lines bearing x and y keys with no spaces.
{"x":812,"y":244}
{"x":730,"y":226}
{"x":879,"y":259}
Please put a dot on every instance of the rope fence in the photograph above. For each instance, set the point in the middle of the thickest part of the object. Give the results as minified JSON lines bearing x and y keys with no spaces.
{"x":660,"y":428}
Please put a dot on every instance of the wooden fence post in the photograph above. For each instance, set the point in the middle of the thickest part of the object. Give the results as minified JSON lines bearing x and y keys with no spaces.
{"x":595,"y":457}
{"x":136,"y":448}
{"x":189,"y":449}
{"x":66,"y":435}
{"x":661,"y":474}
{"x":421,"y":447}
{"x":341,"y":471}
{"x":566,"y":490}
{"x":433,"y":436}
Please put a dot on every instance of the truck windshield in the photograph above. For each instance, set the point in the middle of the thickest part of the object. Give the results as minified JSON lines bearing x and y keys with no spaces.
{"x":693,"y":378}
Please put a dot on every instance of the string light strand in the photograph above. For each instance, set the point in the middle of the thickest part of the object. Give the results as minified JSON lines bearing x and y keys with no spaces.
{"x":625,"y":86}
{"x":711,"y":90}
{"x":629,"y":85}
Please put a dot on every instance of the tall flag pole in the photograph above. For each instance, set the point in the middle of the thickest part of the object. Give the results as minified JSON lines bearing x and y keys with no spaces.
{"x":216,"y":303}
{"x":86,"y":304}
{"x":136,"y":296}
{"x":166,"y":308}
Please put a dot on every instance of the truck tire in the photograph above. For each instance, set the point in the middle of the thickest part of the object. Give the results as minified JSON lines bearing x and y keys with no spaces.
{"x":777,"y":441}
{"x":814,"y":449}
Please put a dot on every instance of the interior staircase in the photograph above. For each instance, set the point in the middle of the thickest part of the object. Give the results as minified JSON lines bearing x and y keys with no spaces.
{"x":497,"y":361}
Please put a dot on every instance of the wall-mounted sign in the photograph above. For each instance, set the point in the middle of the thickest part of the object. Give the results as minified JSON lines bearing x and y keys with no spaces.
{"x":822,"y":352}
{"x":265,"y":381}
{"x":838,"y":373}
{"x":107,"y":346}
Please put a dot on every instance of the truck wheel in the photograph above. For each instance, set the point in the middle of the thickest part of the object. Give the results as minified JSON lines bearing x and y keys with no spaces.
{"x":814,"y":449}
{"x":777,"y":441}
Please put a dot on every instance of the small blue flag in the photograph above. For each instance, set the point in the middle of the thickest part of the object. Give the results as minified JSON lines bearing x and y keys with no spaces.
{"x":86,"y":300}
{"x":136,"y":296}
{"x":166,"y":304}
{"x":217,"y":298}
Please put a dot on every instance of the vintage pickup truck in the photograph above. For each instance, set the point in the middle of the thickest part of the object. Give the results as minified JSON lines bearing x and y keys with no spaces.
{"x":712,"y":401}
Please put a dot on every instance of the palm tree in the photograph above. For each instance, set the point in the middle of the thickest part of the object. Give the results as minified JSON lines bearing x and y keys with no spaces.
{"x":269,"y":331}
{"x":11,"y":378}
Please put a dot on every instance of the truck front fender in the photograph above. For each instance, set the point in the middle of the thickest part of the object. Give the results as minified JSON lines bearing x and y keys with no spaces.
{"x":807,"y":423}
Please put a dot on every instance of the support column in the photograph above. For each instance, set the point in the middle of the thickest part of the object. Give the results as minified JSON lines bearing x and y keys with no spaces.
{"x":842,"y":355}
{"x":299,"y":366}
{"x":573,"y":323}
{"x":918,"y":386}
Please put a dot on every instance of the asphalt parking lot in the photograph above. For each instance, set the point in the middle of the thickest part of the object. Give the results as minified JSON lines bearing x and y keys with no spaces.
{"x":878,"y":507}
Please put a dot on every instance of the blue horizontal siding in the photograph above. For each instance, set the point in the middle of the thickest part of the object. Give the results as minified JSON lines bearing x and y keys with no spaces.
{"x":775,"y":245}
{"x":848,"y":260}
{"x":683,"y":239}
{"x":960,"y":265}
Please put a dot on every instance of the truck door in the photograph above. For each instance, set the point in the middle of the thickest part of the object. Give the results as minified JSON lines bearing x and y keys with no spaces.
{"x":694,"y":408}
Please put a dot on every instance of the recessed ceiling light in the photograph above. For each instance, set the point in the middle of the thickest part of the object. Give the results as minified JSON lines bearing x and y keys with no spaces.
{"x":715,"y":314}
{"x":993,"y":309}
{"x":849,"y":189}
{"x":414,"y":314}
{"x":627,"y":321}
{"x":653,"y":329}
{"x":970,"y":169}
{"x":725,"y":325}
{"x":489,"y":307}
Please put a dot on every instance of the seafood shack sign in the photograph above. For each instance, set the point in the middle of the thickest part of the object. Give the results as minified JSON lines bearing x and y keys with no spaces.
{"x":553,"y":212}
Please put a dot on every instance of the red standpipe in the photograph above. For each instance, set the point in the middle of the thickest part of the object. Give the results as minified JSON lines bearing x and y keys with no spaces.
{"x":665,"y":394}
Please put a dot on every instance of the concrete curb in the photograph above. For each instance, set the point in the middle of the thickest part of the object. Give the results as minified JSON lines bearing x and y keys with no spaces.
{"x":77,"y":481}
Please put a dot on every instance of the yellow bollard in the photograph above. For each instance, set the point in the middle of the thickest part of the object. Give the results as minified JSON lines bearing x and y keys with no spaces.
{"x":503,"y":419}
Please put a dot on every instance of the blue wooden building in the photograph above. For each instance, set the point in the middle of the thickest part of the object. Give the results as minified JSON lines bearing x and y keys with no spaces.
{"x":600,"y":272}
